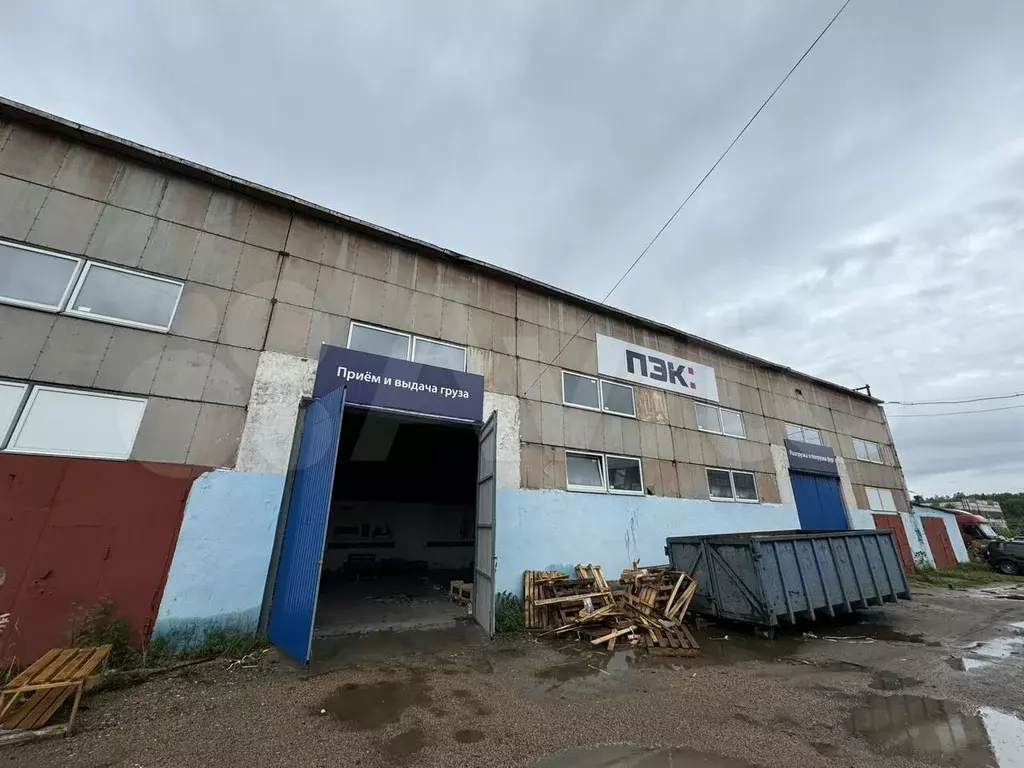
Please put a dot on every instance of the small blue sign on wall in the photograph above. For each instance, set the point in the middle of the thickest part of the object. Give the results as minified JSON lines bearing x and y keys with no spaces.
{"x":376,"y":381}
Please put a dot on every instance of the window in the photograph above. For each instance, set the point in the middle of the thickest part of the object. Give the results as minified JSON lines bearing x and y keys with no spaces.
{"x":67,"y":422}
{"x":125,"y":297}
{"x":868,"y":451}
{"x":597,"y":394}
{"x":803,"y":434}
{"x":603,"y":473}
{"x":581,"y":391}
{"x":404,"y":346}
{"x":377,"y":341}
{"x":35,"y":278}
{"x":12,"y":395}
{"x":624,"y":475}
{"x":711,"y":418}
{"x":438,"y":353}
{"x":584,"y":471}
{"x":880,"y":499}
{"x":44,"y":280}
{"x":730,"y":485}
{"x":617,"y":398}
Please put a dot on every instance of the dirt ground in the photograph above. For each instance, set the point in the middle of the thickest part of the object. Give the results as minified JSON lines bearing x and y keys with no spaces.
{"x":901,"y":686}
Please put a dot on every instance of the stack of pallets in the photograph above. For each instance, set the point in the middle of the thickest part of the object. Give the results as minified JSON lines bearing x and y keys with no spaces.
{"x":646,"y":607}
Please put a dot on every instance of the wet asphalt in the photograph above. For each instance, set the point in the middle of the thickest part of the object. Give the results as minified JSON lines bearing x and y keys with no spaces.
{"x":938,"y":681}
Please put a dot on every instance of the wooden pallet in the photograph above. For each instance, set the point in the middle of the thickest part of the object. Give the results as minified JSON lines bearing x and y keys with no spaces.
{"x":671,"y":641}
{"x":533,"y":590}
{"x":29,"y":700}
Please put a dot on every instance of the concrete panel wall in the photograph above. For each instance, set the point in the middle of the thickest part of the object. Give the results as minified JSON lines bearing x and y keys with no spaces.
{"x":219,"y":570}
{"x":554,"y":530}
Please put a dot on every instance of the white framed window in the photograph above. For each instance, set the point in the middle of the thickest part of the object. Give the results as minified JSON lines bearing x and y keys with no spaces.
{"x":711,"y":418}
{"x":803,"y":434}
{"x":867,"y":451}
{"x":378,"y":341}
{"x":581,"y":391}
{"x":584,"y":471}
{"x":603,"y":473}
{"x":617,"y":398}
{"x":33,"y":278}
{"x":68,"y":422}
{"x":880,"y":499}
{"x":732,"y":485}
{"x":12,"y":397}
{"x":405,"y":346}
{"x":125,"y":297}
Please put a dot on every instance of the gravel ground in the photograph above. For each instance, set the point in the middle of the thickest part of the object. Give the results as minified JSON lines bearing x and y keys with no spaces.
{"x":888,"y":691}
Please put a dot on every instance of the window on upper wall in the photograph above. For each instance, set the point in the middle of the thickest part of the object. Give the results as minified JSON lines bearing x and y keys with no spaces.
{"x":57,"y":283}
{"x":604,"y":473}
{"x":69,"y":422}
{"x":596,"y":394}
{"x":732,"y":485}
{"x":803,"y":434}
{"x":12,"y":397}
{"x":880,"y":499}
{"x":711,"y":418}
{"x":124,"y":297}
{"x":868,"y":451}
{"x":405,"y":346}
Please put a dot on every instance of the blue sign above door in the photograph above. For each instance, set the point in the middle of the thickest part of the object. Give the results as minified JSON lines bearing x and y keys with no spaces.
{"x":376,"y":381}
{"x":808,"y":457}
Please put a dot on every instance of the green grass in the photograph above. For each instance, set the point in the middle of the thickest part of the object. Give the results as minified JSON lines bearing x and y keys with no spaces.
{"x":964,"y":576}
{"x":508,"y":613}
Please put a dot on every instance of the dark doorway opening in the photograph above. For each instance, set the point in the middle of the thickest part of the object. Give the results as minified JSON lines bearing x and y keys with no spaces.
{"x":401,"y":526}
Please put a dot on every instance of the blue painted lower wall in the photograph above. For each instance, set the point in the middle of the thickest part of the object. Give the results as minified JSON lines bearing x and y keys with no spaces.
{"x":219,"y":569}
{"x":555,"y":530}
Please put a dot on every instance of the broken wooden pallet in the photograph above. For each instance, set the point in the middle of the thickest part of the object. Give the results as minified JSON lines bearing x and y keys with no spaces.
{"x":671,"y":641}
{"x":533,"y":581}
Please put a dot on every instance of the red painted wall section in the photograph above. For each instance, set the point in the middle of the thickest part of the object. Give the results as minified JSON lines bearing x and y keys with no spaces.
{"x":75,"y":532}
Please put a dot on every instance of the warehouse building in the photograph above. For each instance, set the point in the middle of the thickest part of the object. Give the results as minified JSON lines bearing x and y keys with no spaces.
{"x":220,"y":404}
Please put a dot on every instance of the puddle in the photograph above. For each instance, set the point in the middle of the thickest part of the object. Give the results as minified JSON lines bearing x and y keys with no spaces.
{"x":584,"y":664}
{"x":405,"y":745}
{"x":890,"y":681}
{"x":997,"y":650}
{"x":629,"y":756}
{"x":1006,"y":733}
{"x":924,"y":728}
{"x":369,"y":707}
{"x":469,"y":736}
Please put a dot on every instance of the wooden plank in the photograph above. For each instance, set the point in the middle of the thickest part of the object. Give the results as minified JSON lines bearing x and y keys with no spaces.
{"x":91,"y":661}
{"x":27,"y":716}
{"x":55,"y":666}
{"x":570,"y":598}
{"x":612,"y":635}
{"x":27,"y":674}
{"x":43,"y":717}
{"x":611,"y":645}
{"x":23,"y":737}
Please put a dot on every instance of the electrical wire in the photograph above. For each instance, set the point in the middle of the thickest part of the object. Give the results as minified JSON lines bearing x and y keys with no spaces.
{"x":956,"y":402}
{"x":950,"y":413}
{"x":700,"y":183}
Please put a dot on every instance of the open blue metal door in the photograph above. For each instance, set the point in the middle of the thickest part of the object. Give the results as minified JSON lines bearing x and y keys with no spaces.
{"x":819,"y":502}
{"x":290,"y":626}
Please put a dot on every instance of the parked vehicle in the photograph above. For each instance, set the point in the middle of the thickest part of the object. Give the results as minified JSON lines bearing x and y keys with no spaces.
{"x":1006,"y":556}
{"x":975,"y":528}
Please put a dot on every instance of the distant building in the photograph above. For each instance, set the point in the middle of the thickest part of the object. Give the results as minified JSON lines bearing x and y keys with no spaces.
{"x":990,"y":510}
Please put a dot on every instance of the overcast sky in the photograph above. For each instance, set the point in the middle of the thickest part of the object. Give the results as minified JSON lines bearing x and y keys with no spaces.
{"x":869,"y":228}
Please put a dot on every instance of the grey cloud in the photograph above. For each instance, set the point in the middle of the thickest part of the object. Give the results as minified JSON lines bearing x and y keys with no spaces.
{"x":866,"y":229}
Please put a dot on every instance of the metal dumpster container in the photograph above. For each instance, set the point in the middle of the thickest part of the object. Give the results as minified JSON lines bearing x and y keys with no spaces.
{"x":763,"y":578}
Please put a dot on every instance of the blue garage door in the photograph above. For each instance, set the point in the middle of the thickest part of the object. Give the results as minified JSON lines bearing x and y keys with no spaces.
{"x":290,"y":626}
{"x":819,"y":502}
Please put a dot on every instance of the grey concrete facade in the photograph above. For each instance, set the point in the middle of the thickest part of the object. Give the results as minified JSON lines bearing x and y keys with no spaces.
{"x":289,"y":277}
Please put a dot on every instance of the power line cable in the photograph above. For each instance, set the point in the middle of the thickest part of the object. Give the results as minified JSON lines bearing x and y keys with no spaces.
{"x":951,"y":413}
{"x":956,"y":402}
{"x":700,"y":183}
